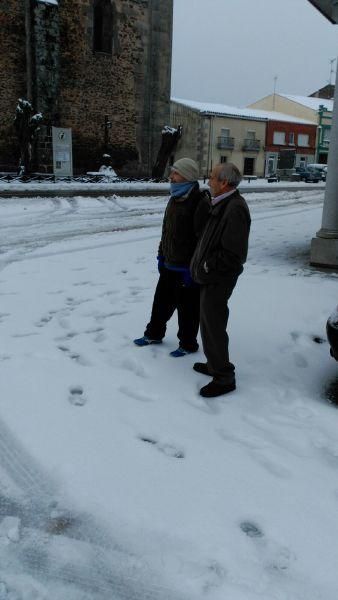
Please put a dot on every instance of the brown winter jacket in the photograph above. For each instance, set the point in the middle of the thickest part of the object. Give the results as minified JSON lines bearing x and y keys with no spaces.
{"x":183,"y":223}
{"x":223,"y":247}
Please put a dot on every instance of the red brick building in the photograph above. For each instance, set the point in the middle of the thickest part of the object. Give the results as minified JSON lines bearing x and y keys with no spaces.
{"x":298,"y":137}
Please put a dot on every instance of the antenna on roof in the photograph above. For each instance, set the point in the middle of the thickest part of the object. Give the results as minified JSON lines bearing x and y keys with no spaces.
{"x":274,"y":91}
{"x":331,"y":69}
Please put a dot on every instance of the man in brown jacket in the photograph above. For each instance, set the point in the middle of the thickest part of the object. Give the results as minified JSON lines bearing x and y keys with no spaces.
{"x":216,"y":264}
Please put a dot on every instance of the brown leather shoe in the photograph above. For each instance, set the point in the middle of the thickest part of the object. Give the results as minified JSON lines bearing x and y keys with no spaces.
{"x":201,"y":368}
{"x":213,"y":389}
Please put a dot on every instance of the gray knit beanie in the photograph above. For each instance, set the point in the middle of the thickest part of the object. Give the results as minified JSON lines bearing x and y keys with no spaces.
{"x":186,"y":167}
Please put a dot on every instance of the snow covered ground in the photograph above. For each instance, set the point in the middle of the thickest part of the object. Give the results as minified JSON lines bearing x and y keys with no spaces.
{"x":117,"y":480}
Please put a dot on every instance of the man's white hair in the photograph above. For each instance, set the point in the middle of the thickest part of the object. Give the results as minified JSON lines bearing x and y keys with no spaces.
{"x":231,"y":173}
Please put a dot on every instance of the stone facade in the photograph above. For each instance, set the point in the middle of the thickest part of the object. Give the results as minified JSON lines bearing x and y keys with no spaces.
{"x":12,"y":75}
{"x":48,"y":54}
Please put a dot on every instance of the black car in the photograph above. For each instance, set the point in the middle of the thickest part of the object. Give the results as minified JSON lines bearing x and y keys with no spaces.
{"x":332,"y":333}
{"x":309,"y":175}
{"x":273,"y":178}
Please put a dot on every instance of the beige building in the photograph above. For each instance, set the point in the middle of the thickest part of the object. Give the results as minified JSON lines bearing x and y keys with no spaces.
{"x":304,"y":107}
{"x":213,"y":133}
{"x":317,"y":110}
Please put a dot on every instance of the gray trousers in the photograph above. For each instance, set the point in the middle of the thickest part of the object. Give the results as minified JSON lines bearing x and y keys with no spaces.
{"x":214,"y":314}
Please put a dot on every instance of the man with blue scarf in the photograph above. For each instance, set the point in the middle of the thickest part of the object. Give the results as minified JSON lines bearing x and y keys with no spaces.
{"x":184,"y":220}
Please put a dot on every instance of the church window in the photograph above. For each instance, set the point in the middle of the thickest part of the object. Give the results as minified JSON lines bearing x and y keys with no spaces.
{"x":103,"y":26}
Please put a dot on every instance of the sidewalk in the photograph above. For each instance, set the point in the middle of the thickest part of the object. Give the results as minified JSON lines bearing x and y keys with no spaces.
{"x":68,"y":190}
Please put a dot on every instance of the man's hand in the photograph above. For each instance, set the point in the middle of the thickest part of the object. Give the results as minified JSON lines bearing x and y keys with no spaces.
{"x":187,"y":279}
{"x":160,"y":262}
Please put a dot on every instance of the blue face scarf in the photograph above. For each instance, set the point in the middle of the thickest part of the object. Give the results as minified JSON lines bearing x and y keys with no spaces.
{"x":179,"y":189}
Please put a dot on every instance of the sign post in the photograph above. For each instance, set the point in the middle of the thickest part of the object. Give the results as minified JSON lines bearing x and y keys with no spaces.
{"x":62,"y":152}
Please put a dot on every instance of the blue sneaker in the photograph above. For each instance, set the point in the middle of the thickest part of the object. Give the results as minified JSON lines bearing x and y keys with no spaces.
{"x":145,"y":341}
{"x":181,"y":352}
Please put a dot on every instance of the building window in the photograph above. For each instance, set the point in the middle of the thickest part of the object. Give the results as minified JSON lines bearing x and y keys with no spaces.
{"x":291,"y":138}
{"x":250,"y":134}
{"x":223,"y":159}
{"x":303,"y":139}
{"x":302,"y":162}
{"x":279,"y":138}
{"x":103,"y":26}
{"x":225,"y":133}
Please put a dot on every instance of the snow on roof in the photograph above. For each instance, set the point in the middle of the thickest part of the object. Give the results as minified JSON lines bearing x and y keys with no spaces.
{"x":242,"y":113}
{"x":55,"y":2}
{"x":220,"y":109}
{"x":310,"y":102}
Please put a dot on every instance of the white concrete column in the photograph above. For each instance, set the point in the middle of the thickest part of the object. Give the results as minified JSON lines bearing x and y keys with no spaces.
{"x":324,"y":247}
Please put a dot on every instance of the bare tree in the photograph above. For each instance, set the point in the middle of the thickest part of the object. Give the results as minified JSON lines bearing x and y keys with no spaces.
{"x":170,"y":137}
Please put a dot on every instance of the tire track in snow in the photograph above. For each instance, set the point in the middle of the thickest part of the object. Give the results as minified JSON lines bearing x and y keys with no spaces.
{"x":98,"y":569}
{"x":21,"y":468}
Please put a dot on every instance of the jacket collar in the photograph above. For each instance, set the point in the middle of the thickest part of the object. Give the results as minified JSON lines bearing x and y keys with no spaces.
{"x":215,"y":210}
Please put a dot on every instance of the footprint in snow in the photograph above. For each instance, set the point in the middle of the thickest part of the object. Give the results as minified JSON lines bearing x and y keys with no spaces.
{"x":297,"y":336}
{"x":251,"y":529}
{"x":134,"y":395}
{"x":45,"y":320}
{"x":3,"y":316}
{"x":167,"y":449}
{"x":213,"y":575}
{"x":76,"y":395}
{"x":81,"y":283}
{"x":206,"y":405}
{"x":300,"y":361}
{"x":272,"y":466}
{"x":74,"y":356}
{"x":131,"y":364}
{"x":274,"y":556}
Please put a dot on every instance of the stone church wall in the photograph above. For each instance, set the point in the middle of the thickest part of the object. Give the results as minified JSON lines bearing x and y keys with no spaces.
{"x":12,"y":75}
{"x":75,"y":86}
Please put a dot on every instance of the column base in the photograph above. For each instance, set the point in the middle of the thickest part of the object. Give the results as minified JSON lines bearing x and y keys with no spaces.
{"x":324,"y":252}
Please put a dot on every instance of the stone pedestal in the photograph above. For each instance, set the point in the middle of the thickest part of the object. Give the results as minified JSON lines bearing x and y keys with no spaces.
{"x":324,"y":252}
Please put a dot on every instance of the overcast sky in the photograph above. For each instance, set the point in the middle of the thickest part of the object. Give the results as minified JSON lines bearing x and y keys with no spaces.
{"x":229,"y":51}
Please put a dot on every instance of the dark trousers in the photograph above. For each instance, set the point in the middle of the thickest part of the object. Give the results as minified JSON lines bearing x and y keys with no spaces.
{"x":214,"y":319}
{"x":171,"y":294}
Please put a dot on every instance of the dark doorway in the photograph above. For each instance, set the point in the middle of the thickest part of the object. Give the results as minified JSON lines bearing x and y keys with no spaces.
{"x":249,"y":166}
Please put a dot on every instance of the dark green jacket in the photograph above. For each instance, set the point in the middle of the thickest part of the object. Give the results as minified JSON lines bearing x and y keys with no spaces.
{"x":183,"y":223}
{"x":223,"y":247}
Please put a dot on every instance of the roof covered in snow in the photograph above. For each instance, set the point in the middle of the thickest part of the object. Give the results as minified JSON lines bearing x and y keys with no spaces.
{"x":309,"y":101}
{"x":224,"y":110}
{"x":55,"y":2}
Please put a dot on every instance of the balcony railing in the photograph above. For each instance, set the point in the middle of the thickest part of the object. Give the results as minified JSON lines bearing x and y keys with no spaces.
{"x":224,"y":143}
{"x":252,"y":145}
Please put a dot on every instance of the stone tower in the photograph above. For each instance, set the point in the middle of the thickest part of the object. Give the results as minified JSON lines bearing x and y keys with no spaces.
{"x":85,"y":62}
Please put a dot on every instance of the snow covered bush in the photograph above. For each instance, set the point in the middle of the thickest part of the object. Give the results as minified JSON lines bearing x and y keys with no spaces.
{"x":26,"y":124}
